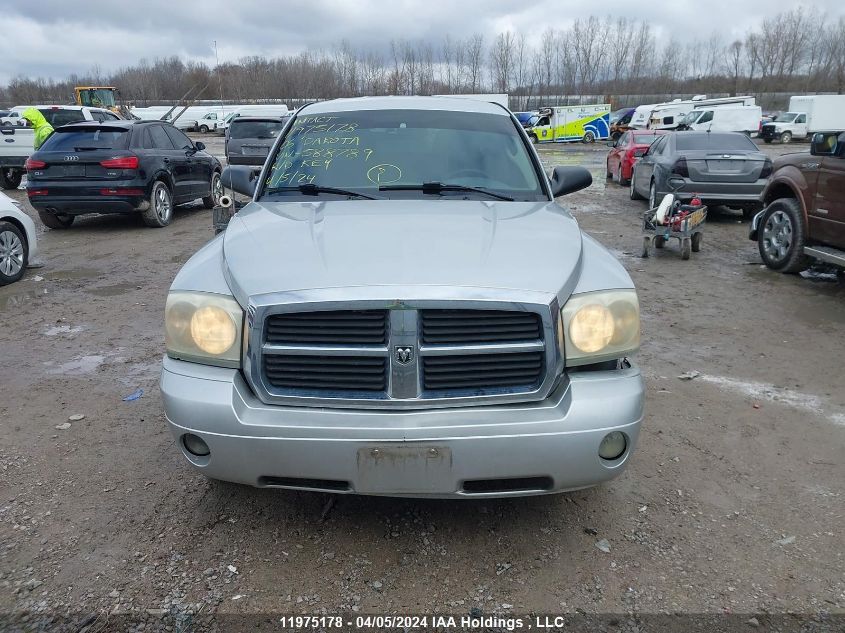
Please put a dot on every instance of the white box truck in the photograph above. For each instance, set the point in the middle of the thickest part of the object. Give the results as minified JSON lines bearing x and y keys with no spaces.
{"x":806,"y":116}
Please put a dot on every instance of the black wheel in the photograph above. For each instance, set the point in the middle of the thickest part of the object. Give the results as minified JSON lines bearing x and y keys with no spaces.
{"x":767,"y":141}
{"x":14,"y":253}
{"x":632,"y":192}
{"x":608,"y":173}
{"x":161,"y":206}
{"x":10,"y":178}
{"x":204,"y":129}
{"x":209,"y":202}
{"x":686,"y":247}
{"x":659,"y":241}
{"x":780,"y":237}
{"x":589,"y":137}
{"x":619,"y":178}
{"x":652,"y":195}
{"x":533,"y":138}
{"x":696,"y":242}
{"x":786,"y":137}
{"x":646,"y":244}
{"x":55,"y":220}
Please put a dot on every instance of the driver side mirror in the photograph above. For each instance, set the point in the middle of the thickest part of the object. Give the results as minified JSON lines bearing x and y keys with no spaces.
{"x":569,"y":180}
{"x":199,"y":145}
{"x":824,"y":144}
{"x":241,"y":179}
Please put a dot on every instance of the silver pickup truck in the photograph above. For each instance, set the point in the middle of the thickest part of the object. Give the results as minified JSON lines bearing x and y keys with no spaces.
{"x":16,"y":144}
{"x":403,"y":309}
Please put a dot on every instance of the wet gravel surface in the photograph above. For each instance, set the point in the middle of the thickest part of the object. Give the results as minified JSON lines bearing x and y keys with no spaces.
{"x":733,"y":502}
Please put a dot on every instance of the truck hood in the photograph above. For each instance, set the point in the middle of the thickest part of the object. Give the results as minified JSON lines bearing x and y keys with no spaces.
{"x":287,"y":246}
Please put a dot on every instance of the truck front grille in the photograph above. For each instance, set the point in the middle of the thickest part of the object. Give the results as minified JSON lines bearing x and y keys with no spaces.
{"x":479,"y":326}
{"x":404,"y":356}
{"x":482,"y":371}
{"x":344,"y":373}
{"x":356,"y":327}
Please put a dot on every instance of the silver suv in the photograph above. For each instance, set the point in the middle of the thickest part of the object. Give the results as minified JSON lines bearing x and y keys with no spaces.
{"x":403,"y":309}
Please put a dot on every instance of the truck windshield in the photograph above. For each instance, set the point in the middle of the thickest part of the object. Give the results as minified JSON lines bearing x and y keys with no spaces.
{"x":363,"y":151}
{"x":691,"y":117}
{"x":786,"y":117}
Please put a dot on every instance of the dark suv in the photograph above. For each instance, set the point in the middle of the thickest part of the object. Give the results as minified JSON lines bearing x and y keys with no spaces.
{"x":804,"y":218}
{"x":249,"y":139}
{"x":119,"y":167}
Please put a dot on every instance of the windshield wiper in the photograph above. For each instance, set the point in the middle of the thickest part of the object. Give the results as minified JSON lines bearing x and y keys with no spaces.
{"x":439,"y":187}
{"x":313,"y":190}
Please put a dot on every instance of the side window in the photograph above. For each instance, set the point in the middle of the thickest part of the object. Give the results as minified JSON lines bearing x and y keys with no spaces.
{"x":801,"y":118}
{"x":160,"y":139}
{"x":98,"y":116}
{"x":706,"y":117}
{"x":668,"y":120}
{"x":180,"y":141}
{"x":108,"y":116}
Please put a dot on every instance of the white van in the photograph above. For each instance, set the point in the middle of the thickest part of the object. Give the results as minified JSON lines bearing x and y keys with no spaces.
{"x":724,"y":119}
{"x":668,"y":116}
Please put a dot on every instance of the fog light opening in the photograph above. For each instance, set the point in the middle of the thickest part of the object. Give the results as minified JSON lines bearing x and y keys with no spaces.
{"x":613,"y":446}
{"x":195,"y":445}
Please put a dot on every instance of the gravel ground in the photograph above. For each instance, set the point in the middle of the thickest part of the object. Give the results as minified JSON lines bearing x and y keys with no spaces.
{"x":733,"y":502}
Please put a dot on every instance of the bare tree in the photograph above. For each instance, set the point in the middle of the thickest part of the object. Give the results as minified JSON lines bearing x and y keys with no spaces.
{"x":501,"y":61}
{"x":733,"y":64}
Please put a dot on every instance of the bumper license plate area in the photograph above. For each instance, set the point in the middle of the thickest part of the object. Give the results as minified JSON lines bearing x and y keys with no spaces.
{"x":404,"y":468}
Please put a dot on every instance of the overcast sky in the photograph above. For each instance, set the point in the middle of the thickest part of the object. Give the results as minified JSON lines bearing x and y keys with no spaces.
{"x":53,"y":38}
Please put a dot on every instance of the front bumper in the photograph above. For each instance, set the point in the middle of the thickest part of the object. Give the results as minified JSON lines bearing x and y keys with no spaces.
{"x":490,"y":451}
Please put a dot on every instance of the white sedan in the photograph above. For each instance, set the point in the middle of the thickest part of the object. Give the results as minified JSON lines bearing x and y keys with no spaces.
{"x":18,"y":245}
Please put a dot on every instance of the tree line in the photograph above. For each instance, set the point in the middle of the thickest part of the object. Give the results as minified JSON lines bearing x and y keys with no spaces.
{"x":801,"y":50}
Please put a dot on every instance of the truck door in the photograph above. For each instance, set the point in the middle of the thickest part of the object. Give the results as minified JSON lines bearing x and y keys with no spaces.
{"x":800,"y":126}
{"x":828,"y":216}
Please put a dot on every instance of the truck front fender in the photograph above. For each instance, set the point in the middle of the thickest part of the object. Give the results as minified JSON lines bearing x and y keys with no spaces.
{"x":789,"y":182}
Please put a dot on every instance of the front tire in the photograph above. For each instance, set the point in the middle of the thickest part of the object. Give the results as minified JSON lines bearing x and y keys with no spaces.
{"x":781,"y":237}
{"x":652,"y":196}
{"x":10,"y":178}
{"x":204,"y":129}
{"x":786,"y":138}
{"x":210,"y":201}
{"x":160,"y":212}
{"x":14,"y":253}
{"x":55,"y":220}
{"x":533,"y":138}
{"x":686,"y":247}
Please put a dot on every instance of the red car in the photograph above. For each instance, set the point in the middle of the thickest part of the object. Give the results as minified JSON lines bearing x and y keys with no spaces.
{"x":626,"y":151}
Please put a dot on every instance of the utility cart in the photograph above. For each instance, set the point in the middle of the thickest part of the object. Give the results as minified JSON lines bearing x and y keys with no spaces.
{"x":672,"y":219}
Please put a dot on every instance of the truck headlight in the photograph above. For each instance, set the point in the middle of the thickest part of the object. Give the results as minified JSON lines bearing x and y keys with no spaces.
{"x":599,"y":326}
{"x":204,"y":328}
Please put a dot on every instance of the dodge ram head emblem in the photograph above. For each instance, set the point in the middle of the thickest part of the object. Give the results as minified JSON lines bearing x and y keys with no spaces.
{"x":403,"y":354}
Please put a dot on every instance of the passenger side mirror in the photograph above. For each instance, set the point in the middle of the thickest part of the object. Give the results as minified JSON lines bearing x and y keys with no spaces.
{"x":240,"y":178}
{"x":199,"y":145}
{"x":569,"y":180}
{"x":823,"y":144}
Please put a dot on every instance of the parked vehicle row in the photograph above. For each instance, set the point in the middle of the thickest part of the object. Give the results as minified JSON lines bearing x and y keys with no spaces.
{"x":796,"y":203}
